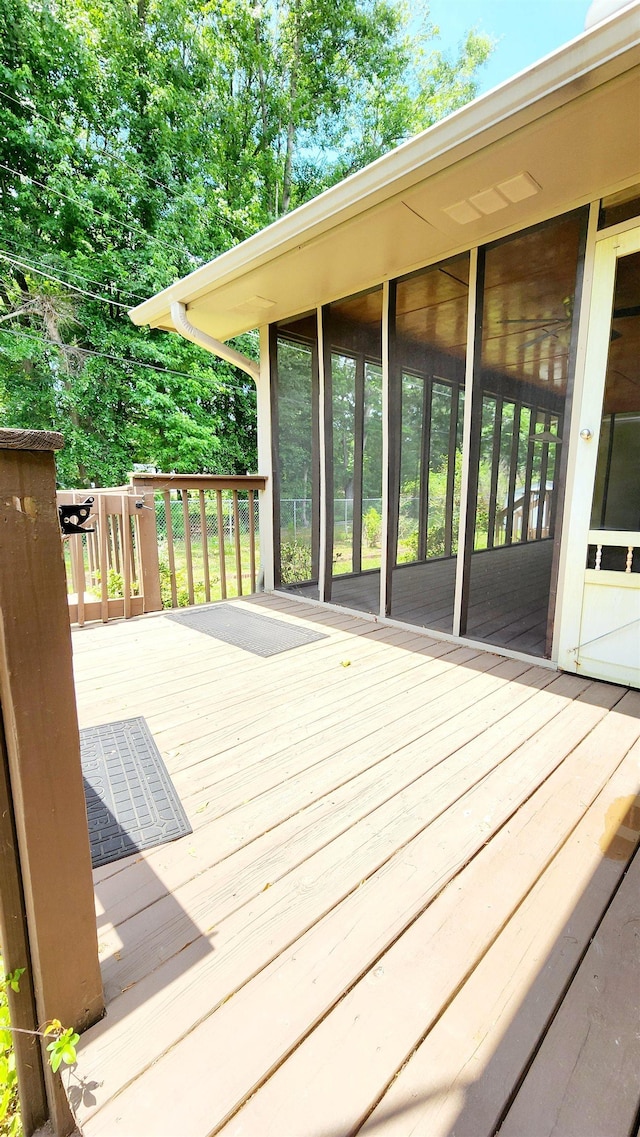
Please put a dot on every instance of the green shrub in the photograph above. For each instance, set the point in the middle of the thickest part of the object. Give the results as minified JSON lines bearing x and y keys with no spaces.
{"x":372,"y":525}
{"x":295,"y":562}
{"x":10,"y":1124}
{"x":182,"y":587}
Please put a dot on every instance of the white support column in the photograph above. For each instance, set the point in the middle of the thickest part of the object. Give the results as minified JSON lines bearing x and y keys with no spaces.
{"x":385,"y":449}
{"x":265,"y":461}
{"x":466,"y":436}
{"x":586,"y":410}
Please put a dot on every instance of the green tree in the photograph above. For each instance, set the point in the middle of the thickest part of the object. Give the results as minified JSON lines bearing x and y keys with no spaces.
{"x":139,"y":140}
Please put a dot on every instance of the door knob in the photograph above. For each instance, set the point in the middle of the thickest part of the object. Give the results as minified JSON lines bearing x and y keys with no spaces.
{"x":586,"y":434}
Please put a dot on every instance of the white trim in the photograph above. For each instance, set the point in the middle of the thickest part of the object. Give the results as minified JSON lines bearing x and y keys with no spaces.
{"x":466,"y":437}
{"x":384,"y":531}
{"x":322,"y":436}
{"x":265,"y":462}
{"x":595,"y":320}
{"x":617,"y":230}
{"x":428,"y":633}
{"x":562,"y":76}
{"x":567,"y":565}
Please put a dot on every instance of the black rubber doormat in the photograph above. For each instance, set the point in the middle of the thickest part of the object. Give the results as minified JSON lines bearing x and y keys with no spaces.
{"x":131,"y":802}
{"x":261,"y":635}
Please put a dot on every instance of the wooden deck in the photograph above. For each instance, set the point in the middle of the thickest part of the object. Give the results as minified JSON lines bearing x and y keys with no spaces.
{"x":408,"y":906}
{"x":508,"y":601}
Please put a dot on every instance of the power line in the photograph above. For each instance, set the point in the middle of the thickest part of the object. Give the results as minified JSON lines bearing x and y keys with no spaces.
{"x":27,"y":103}
{"x":74,"y":288}
{"x":241,"y":229}
{"x":116,"y":358}
{"x":37,"y":261}
{"x":77,"y":201}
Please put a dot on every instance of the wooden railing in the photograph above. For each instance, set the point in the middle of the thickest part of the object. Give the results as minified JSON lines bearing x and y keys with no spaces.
{"x":164,"y":541}
{"x":538,"y":510}
{"x":619,"y":548}
{"x":106,"y":568}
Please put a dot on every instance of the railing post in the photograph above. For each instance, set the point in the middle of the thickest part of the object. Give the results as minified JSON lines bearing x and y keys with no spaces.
{"x":148,"y":549}
{"x":45,"y":788}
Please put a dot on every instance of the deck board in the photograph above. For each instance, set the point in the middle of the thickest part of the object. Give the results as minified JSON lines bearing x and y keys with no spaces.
{"x":459,"y":1079}
{"x":508,"y":598}
{"x":585,"y":1080}
{"x":402,"y":812}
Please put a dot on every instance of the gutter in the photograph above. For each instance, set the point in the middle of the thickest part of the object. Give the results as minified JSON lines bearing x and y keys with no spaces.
{"x":607,"y":44}
{"x":216,"y":347}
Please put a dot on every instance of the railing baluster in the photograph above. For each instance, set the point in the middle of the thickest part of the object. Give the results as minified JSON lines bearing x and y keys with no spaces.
{"x":598,"y":557}
{"x":78,"y":574}
{"x":187,"y":544}
{"x":132,"y":552}
{"x":221,"y":556}
{"x":91,"y":559}
{"x":170,"y":550}
{"x":252,"y":540}
{"x":104,"y":570}
{"x":236,"y":535}
{"x":78,"y":549}
{"x":115,"y":533}
{"x":205,"y":546}
{"x":125,"y":532}
{"x":629,"y":560}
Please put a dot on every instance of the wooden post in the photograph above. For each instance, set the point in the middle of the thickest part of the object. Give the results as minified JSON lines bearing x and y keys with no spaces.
{"x":148,"y":547}
{"x":15,"y":954}
{"x":43,"y":750}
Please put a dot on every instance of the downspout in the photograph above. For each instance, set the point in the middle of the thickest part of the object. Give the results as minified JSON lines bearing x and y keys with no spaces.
{"x":216,"y":347}
{"x":187,"y":330}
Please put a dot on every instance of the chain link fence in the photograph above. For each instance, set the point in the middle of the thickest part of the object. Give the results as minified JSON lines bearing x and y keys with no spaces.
{"x":223,"y":541}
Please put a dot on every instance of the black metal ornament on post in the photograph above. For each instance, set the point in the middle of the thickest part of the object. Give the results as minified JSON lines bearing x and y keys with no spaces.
{"x":73,"y":517}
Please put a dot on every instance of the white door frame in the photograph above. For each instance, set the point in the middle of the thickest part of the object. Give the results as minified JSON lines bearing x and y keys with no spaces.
{"x":584,"y":449}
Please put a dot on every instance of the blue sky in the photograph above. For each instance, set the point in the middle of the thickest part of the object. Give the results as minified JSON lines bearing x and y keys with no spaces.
{"x":526,"y":29}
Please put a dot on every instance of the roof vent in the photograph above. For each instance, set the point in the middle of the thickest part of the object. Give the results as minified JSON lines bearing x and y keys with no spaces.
{"x":601,"y":10}
{"x":493,"y":198}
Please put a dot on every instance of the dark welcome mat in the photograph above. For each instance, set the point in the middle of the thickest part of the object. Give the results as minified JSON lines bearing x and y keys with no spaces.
{"x":261,"y":635}
{"x":131,"y":802}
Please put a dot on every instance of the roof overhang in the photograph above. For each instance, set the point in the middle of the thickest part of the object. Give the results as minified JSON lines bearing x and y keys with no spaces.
{"x":560,"y":134}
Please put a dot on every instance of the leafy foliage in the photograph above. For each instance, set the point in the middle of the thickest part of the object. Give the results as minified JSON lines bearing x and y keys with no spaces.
{"x":62,"y":1047}
{"x":295,"y":562}
{"x":10,"y":1125}
{"x":139,"y":140}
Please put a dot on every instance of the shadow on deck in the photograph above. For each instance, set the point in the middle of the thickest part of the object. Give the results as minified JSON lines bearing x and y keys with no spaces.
{"x":508,"y":602}
{"x":407,"y":905}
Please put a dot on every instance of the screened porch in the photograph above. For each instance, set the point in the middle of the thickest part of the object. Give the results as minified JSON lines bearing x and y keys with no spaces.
{"x":396,"y":503}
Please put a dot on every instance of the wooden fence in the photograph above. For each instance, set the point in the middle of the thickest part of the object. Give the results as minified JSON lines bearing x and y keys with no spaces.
{"x":163,"y":541}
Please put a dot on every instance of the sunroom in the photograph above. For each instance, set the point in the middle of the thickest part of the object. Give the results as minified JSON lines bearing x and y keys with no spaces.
{"x":449,"y":387}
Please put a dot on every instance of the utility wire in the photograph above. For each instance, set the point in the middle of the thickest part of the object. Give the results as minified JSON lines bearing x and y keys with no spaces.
{"x":30,"y":106}
{"x":38,"y":262}
{"x":116,"y":358}
{"x":241,"y":229}
{"x":49,"y":275}
{"x":134,"y":231}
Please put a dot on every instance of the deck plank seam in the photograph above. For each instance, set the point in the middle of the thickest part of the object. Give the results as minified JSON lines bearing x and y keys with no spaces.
{"x":389,"y":946}
{"x":558,"y":1005}
{"x":295,"y":813}
{"x":342,"y":899}
{"x":521,"y":902}
{"x":328,"y":714}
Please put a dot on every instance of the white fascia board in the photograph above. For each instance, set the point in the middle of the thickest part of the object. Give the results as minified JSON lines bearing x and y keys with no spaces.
{"x":490,"y":113}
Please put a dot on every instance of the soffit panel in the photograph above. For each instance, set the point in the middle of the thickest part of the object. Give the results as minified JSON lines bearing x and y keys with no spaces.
{"x":576,"y":153}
